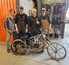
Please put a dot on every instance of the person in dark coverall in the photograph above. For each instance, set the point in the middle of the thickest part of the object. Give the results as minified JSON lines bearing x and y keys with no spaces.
{"x":21,"y":24}
{"x":34,"y":26}
{"x":34,"y":23}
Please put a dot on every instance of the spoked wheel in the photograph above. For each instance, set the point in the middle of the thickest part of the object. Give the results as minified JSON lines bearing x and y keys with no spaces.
{"x":18,"y":47}
{"x":56,"y":51}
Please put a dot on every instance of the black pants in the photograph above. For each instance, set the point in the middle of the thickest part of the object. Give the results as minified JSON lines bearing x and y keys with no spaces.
{"x":18,"y":36}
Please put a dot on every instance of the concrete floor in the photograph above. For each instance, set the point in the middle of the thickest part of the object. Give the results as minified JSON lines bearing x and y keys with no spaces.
{"x":33,"y":59}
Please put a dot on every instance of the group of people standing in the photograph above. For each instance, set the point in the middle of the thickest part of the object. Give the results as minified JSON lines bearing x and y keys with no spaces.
{"x":22,"y":24}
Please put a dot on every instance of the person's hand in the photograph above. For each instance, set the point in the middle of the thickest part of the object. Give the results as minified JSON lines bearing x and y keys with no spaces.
{"x":17,"y":31}
{"x":50,"y":27}
{"x":8,"y":30}
{"x":26,"y":31}
{"x":37,"y":22}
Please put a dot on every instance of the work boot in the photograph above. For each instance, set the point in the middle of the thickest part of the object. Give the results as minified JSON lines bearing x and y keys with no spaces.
{"x":8,"y":50}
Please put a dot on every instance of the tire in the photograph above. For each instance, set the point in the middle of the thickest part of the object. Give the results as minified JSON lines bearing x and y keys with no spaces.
{"x":18,"y":47}
{"x":56,"y":51}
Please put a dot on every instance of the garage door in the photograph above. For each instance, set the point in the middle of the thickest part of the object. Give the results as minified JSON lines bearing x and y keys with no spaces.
{"x":5,"y":5}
